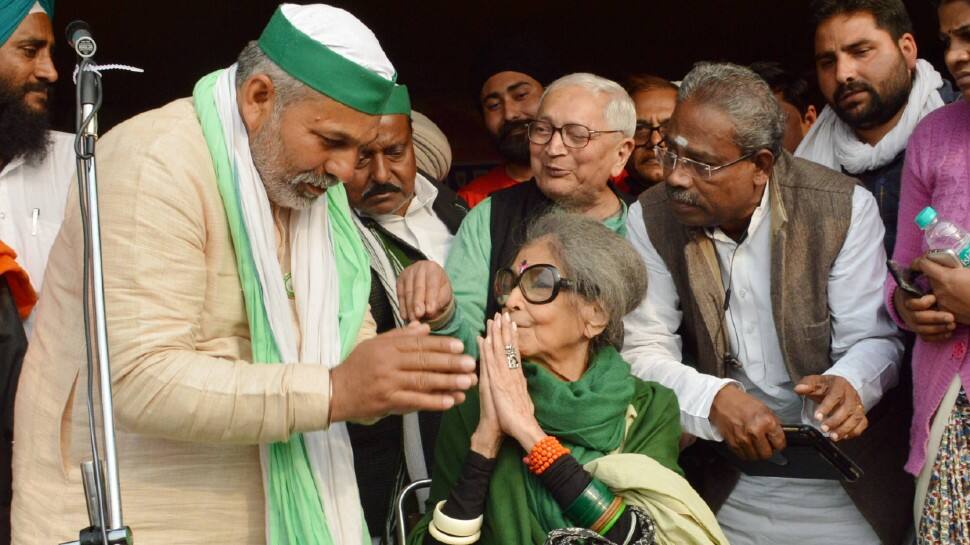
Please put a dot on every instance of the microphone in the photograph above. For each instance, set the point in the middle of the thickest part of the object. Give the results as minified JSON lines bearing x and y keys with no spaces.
{"x":89,"y":83}
{"x":79,"y":37}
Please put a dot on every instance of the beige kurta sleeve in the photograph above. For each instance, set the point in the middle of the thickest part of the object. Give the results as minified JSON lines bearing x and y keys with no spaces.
{"x":178,"y":333}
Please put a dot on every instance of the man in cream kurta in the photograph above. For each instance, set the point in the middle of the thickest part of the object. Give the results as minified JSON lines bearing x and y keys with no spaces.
{"x":193,"y":411}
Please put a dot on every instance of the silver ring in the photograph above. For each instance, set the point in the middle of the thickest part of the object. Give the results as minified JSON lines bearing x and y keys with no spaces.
{"x":510,"y":358}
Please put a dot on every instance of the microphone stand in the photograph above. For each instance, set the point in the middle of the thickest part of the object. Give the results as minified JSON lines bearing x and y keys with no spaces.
{"x":102,"y":495}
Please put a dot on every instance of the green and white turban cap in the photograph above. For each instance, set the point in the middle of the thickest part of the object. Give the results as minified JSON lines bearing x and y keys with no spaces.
{"x":334,"y":53}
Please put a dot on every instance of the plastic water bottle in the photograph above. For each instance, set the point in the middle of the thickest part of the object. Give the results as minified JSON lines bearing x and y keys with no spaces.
{"x":941,"y":234}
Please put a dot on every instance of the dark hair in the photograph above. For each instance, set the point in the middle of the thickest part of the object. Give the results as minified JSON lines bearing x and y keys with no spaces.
{"x":793,"y":88}
{"x":890,"y":15}
{"x":646,"y":82}
{"x":515,"y":52}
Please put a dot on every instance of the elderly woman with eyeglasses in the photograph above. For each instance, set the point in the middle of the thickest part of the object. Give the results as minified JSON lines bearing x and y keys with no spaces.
{"x":560,"y":442}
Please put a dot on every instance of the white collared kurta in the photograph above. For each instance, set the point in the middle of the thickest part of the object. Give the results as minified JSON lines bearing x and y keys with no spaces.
{"x":420,"y":226}
{"x":32,"y":199}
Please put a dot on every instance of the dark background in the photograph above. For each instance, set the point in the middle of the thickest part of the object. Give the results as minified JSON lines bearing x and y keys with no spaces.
{"x":432,"y":44}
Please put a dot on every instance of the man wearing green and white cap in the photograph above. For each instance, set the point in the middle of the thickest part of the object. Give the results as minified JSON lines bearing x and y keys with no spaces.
{"x":236,"y":292}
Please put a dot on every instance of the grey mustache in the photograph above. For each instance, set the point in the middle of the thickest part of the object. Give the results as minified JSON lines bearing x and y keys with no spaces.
{"x":323,"y":181}
{"x":681,"y":196}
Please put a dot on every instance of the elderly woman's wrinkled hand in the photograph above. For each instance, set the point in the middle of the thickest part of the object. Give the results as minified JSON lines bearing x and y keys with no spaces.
{"x":509,"y":391}
{"x":487,"y":437}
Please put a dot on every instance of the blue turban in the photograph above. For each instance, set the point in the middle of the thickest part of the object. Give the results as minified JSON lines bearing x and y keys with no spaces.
{"x":12,"y":13}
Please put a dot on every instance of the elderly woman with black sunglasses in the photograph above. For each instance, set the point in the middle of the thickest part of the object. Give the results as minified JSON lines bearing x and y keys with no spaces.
{"x":559,"y":442}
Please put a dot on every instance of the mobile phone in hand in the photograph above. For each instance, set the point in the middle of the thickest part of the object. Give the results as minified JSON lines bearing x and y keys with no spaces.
{"x":904,"y":277}
{"x":947,"y":258}
{"x":802,"y":435}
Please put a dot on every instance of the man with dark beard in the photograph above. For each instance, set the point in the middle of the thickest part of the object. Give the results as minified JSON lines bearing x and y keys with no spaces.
{"x":510,"y":75}
{"x":36,"y":164}
{"x":877,"y":91}
{"x":35,"y":174}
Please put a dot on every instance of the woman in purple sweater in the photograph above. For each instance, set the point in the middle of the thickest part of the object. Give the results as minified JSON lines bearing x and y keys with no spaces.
{"x":937,"y":174}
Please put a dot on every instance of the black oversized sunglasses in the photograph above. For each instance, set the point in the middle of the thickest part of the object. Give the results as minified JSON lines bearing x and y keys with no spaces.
{"x":540,"y":283}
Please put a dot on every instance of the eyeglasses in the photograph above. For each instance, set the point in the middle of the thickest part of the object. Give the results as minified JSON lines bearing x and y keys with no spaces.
{"x":573,"y":135}
{"x":540,"y":284}
{"x":644,"y":133}
{"x":670,"y":160}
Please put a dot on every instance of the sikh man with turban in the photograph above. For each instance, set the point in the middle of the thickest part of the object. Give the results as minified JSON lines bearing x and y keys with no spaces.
{"x":236,"y":292}
{"x":36,"y":164}
{"x":35,"y":173}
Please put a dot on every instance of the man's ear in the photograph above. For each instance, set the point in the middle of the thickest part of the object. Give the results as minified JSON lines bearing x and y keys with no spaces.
{"x":624,"y":150}
{"x":808,"y":118}
{"x":594,"y":319}
{"x":256,"y":99}
{"x":763,"y":161}
{"x":907,"y":46}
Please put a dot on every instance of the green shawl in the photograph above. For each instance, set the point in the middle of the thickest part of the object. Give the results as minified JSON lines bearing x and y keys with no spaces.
{"x":295,"y":514}
{"x":588,"y":416}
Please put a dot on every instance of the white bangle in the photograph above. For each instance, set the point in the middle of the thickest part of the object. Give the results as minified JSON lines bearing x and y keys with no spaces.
{"x":456,"y":527}
{"x":453,"y":540}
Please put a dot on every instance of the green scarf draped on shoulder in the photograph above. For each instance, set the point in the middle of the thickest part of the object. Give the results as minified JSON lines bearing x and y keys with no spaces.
{"x":589,"y":416}
{"x":294,"y":506}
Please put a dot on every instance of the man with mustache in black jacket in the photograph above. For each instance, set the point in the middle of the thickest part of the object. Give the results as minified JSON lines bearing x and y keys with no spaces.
{"x":403,"y":216}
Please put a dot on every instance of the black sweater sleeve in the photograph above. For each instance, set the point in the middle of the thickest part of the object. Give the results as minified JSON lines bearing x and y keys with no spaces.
{"x":467,"y":499}
{"x":565,"y":480}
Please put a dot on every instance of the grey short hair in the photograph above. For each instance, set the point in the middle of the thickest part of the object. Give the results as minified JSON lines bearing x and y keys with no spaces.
{"x":759,"y":122}
{"x":604,"y":266}
{"x":620,"y":113}
{"x":252,"y":60}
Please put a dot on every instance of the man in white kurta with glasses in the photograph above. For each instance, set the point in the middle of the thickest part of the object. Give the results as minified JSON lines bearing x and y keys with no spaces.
{"x":765,"y":275}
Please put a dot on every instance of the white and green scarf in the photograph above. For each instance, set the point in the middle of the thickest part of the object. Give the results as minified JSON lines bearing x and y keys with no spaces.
{"x":309,"y":481}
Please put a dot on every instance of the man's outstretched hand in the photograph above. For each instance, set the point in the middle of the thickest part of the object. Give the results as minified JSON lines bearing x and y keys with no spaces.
{"x":840,"y":409}
{"x":401,"y":371}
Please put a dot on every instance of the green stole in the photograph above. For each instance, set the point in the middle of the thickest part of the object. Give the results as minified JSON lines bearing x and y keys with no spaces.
{"x":295,"y":513}
{"x":588,"y":416}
